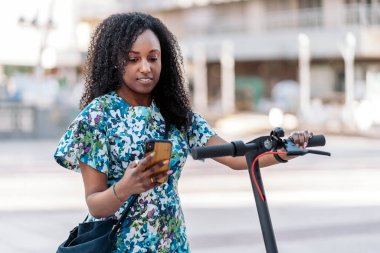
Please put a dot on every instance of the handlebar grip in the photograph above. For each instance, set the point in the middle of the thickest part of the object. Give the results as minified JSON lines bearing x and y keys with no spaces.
{"x":316,"y":140}
{"x":213,"y":151}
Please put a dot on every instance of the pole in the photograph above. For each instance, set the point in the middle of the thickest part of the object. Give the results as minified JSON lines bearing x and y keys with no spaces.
{"x":348,"y":53}
{"x":228,"y":77}
{"x":200,"y":79}
{"x":304,"y":73}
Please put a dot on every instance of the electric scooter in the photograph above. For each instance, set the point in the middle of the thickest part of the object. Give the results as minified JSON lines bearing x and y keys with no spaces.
{"x":253,"y":150}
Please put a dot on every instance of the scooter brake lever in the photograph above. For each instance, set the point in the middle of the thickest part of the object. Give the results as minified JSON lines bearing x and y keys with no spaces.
{"x":318,"y":152}
{"x":292,"y":149}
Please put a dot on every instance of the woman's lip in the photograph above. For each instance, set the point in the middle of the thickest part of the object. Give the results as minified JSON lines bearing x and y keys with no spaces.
{"x":145,"y":80}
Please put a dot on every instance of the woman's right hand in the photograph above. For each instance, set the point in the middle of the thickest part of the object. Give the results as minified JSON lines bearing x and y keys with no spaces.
{"x":139,"y":177}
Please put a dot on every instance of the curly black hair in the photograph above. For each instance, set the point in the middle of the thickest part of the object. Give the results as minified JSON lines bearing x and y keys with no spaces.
{"x":108,"y":55}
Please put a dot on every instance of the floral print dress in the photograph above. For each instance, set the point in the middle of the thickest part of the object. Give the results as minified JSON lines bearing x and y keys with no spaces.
{"x":108,"y":135}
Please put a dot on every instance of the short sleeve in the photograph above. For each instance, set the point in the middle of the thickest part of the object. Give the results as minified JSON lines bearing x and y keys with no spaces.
{"x":85,"y":140}
{"x":199,"y":132}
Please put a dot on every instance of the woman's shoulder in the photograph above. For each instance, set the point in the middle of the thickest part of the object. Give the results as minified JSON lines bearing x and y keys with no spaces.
{"x":103,"y":103}
{"x":196,"y":118}
{"x":199,"y":124}
{"x":99,"y":108}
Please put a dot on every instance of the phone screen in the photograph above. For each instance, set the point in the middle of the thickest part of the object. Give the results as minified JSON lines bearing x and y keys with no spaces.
{"x":163,"y":150}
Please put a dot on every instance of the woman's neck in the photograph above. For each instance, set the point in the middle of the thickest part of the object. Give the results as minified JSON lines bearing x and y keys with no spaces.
{"x":135,"y":99}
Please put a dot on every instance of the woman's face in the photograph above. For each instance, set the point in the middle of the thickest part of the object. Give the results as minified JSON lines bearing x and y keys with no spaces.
{"x":143,"y":69}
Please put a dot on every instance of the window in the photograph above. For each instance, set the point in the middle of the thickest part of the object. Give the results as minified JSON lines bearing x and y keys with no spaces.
{"x":307,"y":4}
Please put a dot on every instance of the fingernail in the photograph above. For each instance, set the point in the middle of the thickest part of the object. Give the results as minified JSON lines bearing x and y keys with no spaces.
{"x":152,"y":154}
{"x":164,"y":162}
{"x":169,"y":172}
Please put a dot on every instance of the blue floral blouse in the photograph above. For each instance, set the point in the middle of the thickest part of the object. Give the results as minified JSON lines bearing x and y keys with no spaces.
{"x":108,"y":135}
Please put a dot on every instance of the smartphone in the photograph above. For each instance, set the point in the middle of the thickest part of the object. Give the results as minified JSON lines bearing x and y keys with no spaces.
{"x":163,"y":151}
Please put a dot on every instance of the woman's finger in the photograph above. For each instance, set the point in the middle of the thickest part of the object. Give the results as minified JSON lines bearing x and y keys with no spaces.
{"x":156,"y":172}
{"x":145,"y":162}
{"x":155,"y":178}
{"x":308,"y":135}
{"x":294,"y":137}
{"x":134,"y":164}
{"x":301,"y":139}
{"x":157,"y":168}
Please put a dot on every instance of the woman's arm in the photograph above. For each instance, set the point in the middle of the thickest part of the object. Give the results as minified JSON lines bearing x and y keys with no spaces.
{"x":240,"y":163}
{"x":102,"y":201}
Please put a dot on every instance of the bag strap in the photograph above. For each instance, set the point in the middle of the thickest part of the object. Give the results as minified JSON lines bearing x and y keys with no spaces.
{"x":134,"y":197}
{"x":117,"y":226}
{"x":189,"y":120}
{"x":167,"y":128}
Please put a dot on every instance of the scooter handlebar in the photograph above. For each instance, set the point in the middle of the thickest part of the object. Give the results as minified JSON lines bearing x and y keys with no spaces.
{"x":314,"y":141}
{"x":238,"y":148}
{"x":317,"y":140}
{"x":213,"y":151}
{"x":235,"y":148}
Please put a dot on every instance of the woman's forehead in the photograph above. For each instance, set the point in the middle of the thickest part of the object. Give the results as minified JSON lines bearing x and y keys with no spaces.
{"x":146,"y":41}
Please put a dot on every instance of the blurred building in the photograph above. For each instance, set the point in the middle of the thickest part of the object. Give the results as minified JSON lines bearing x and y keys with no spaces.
{"x":324,"y":49}
{"x":265,"y":37}
{"x":269,"y":38}
{"x":42,"y":52}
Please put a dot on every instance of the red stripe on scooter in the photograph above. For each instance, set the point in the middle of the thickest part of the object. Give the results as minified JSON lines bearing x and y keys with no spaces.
{"x":253,"y":170}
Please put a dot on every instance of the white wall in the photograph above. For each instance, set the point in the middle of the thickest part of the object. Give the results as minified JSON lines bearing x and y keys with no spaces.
{"x":322,"y":80}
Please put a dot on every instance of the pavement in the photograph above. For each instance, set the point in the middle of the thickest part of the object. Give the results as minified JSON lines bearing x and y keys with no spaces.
{"x":317,"y":204}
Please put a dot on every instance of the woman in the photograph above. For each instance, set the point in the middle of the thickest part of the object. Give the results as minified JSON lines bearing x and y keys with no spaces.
{"x":134,"y":88}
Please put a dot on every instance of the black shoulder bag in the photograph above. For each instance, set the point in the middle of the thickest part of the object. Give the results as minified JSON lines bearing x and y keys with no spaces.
{"x":97,"y":236}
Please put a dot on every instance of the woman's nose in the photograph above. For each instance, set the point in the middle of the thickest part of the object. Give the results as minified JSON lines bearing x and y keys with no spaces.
{"x":145,"y":66}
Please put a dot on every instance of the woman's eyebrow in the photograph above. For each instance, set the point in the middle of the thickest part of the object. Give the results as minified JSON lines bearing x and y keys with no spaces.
{"x":151,"y":51}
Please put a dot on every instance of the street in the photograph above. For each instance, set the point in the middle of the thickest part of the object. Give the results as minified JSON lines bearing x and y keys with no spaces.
{"x":317,"y":203}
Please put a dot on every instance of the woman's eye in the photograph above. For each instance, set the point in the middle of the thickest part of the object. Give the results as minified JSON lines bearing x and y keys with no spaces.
{"x":153,"y":59}
{"x":132,"y":59}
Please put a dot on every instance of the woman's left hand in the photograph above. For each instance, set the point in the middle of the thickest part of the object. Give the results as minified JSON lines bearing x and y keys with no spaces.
{"x":301,"y":138}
